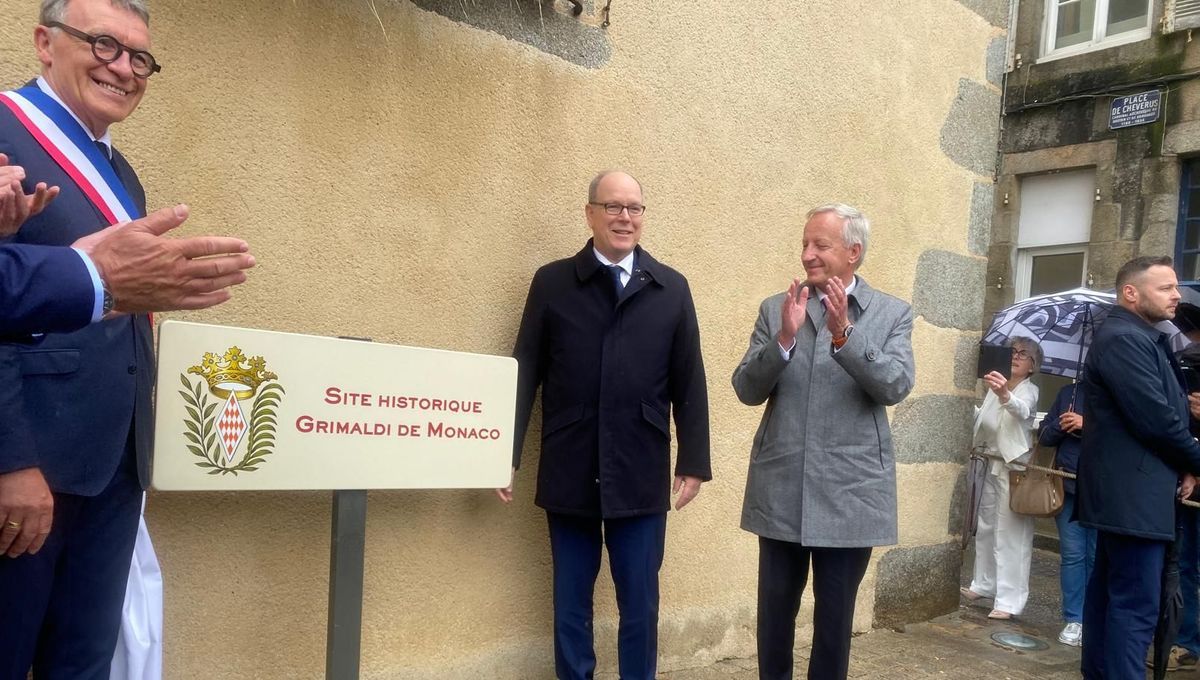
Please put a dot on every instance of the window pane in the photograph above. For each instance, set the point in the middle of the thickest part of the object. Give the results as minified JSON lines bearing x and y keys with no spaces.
{"x":1075,"y":21}
{"x":1190,"y":272}
{"x":1193,"y":205}
{"x":1048,"y":387}
{"x":1053,"y":273}
{"x":1191,"y":237}
{"x":1126,"y":15}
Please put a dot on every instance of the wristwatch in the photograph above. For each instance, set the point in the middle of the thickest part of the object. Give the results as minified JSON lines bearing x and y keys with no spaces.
{"x":109,"y":302}
{"x":841,"y":339}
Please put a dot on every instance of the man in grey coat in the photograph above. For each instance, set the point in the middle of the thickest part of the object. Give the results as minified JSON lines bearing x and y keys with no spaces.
{"x":827,"y":357}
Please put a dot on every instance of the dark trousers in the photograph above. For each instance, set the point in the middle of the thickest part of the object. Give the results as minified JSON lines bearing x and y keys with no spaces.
{"x":1189,"y":578}
{"x":635,"y":554}
{"x":1121,"y":606}
{"x":60,"y":610}
{"x":782,"y":575}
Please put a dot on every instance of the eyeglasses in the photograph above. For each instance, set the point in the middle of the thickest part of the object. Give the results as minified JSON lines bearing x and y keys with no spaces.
{"x":108,"y":49}
{"x":616,"y":208}
{"x":1021,"y":354}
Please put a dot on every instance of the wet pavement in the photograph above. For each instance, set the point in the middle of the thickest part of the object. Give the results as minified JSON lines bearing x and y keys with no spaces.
{"x":957,"y":645}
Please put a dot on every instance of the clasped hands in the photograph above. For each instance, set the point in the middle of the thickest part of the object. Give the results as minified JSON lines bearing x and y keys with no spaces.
{"x":686,"y":486}
{"x":795,"y":309}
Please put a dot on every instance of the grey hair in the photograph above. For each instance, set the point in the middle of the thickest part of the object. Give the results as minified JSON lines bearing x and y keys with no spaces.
{"x":56,"y":10}
{"x":856,"y":229}
{"x":1029,"y":345}
{"x":600,"y":178}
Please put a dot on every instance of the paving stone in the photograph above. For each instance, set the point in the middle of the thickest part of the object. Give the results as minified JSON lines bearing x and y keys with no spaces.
{"x":955,"y":646}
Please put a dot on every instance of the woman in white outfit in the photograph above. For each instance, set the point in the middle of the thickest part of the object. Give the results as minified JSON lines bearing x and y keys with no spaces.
{"x":1004,"y":540}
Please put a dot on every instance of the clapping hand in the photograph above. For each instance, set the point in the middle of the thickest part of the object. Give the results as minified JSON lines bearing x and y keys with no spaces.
{"x":836,"y":307}
{"x":15,"y":205}
{"x":793,"y":313}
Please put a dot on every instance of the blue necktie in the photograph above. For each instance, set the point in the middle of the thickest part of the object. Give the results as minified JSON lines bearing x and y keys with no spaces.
{"x":615,"y":270}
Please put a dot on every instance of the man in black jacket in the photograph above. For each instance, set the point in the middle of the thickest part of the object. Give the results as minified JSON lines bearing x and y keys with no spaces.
{"x":611,"y":337}
{"x":1138,"y":446}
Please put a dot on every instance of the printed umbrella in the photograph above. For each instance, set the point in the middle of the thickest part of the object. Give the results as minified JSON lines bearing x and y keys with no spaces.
{"x":1062,"y":323}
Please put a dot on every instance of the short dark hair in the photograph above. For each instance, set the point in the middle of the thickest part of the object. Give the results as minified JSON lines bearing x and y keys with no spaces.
{"x":1135,"y":267}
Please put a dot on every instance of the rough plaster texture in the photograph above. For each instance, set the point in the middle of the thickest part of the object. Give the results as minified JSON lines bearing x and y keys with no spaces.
{"x":928,"y":492}
{"x":405,"y":188}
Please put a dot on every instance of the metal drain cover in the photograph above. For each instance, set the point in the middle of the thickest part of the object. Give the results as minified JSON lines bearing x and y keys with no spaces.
{"x":1018,"y":641}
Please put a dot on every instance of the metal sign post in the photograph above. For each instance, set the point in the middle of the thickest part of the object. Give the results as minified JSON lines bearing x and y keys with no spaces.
{"x":346,"y":547}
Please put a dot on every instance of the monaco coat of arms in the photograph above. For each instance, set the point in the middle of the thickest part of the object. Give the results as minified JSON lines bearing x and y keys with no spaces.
{"x":231,"y":412}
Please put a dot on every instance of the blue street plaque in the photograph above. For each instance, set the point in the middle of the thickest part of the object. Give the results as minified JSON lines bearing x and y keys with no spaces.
{"x":1135,"y":109}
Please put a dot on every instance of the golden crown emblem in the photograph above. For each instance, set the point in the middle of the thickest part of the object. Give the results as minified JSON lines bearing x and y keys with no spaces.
{"x":229,"y":375}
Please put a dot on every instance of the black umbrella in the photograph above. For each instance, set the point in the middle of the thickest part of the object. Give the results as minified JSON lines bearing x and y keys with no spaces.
{"x":1170,"y":605}
{"x":1187,"y":315}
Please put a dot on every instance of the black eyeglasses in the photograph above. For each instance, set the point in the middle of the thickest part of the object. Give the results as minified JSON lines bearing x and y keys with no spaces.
{"x":108,"y":49}
{"x":1021,"y":354}
{"x":616,"y":208}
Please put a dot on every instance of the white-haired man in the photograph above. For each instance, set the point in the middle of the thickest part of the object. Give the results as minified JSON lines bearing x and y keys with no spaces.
{"x":827,"y":356}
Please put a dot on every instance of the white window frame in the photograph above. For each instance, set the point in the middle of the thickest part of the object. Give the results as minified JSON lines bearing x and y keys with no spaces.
{"x":1025,"y":264}
{"x":1099,"y":40}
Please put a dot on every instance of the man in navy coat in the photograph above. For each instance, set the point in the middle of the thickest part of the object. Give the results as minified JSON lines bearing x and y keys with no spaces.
{"x":75,"y":407}
{"x":1138,"y":447}
{"x":611,"y":337}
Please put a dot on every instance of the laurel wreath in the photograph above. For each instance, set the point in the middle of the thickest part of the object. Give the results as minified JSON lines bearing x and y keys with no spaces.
{"x":203,"y":435}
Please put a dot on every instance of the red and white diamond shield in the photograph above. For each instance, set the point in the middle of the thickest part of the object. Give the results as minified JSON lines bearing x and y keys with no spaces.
{"x":231,"y":425}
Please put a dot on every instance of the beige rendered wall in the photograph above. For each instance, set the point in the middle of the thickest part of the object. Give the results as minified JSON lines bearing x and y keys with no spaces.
{"x":406,"y":187}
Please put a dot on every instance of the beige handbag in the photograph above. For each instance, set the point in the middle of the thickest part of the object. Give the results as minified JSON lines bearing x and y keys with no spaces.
{"x":1036,"y":493}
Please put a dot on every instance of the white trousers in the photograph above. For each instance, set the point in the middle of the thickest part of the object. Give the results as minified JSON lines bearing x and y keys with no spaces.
{"x":1003,"y":545}
{"x":138,"y":655}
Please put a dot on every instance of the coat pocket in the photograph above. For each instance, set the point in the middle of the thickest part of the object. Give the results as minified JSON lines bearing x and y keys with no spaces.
{"x":656,"y":418}
{"x":49,"y":361}
{"x":561,"y":419}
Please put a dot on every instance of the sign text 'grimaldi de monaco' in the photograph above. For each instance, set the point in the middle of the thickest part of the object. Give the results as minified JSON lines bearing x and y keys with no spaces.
{"x":250,"y":409}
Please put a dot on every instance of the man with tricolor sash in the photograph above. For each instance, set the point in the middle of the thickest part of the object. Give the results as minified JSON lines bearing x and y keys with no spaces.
{"x":75,"y":408}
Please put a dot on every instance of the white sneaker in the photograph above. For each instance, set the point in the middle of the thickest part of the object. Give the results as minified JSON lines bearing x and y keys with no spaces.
{"x":1072,"y":634}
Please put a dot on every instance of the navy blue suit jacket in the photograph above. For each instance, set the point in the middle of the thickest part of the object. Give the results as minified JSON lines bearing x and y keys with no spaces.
{"x":610,"y":374}
{"x":43,"y":290}
{"x":1136,"y":435}
{"x":71,"y":400}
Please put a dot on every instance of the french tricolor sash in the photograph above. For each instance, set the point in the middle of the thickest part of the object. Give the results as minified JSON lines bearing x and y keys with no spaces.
{"x":65,"y":140}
